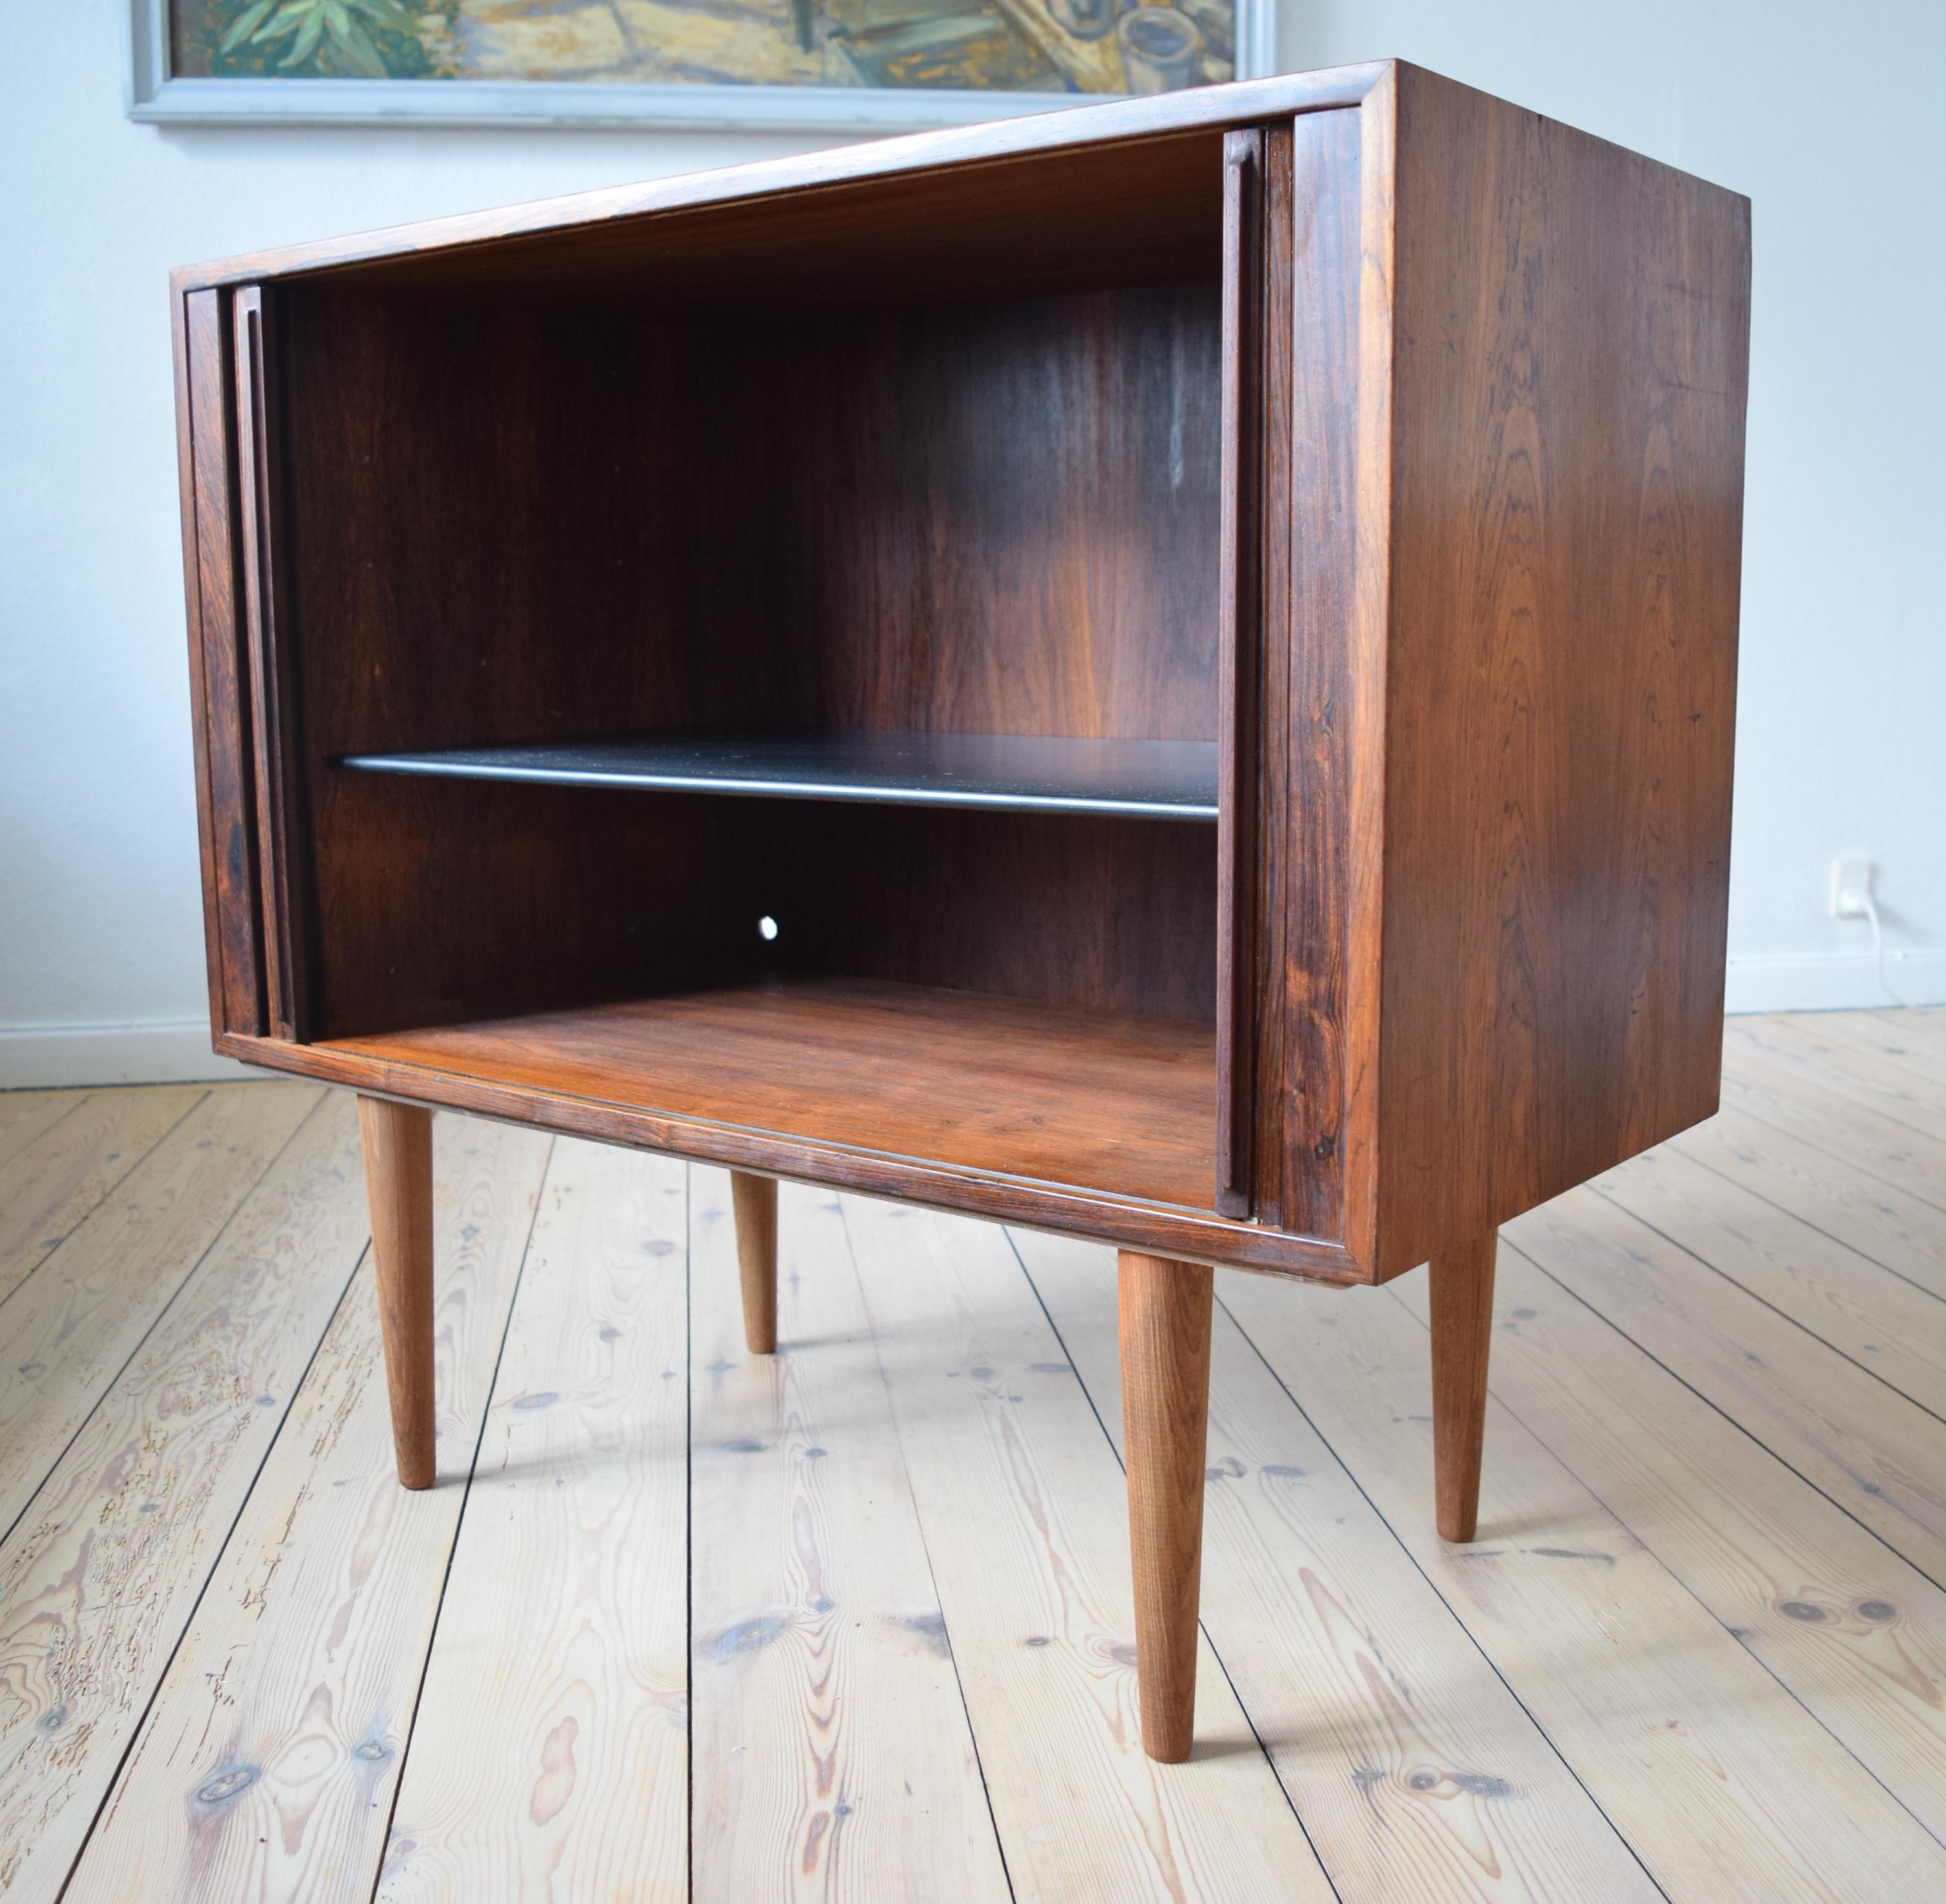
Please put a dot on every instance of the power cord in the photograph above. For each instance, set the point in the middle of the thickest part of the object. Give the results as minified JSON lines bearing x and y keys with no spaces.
{"x":1871,"y":912}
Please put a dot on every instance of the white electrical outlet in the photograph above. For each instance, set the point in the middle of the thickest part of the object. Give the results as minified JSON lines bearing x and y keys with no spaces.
{"x":1851,"y":888}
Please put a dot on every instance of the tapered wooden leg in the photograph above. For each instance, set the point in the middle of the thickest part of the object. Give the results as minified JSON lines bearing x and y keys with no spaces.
{"x":1165,"y":1331}
{"x":755,"y":1200}
{"x":1462,"y":1328}
{"x":397,"y":1140}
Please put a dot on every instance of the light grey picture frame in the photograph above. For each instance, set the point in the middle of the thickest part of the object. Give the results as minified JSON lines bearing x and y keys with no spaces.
{"x":155,"y":96}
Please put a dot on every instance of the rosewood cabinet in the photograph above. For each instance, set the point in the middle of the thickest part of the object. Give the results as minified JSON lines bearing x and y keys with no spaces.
{"x":1164,"y":671}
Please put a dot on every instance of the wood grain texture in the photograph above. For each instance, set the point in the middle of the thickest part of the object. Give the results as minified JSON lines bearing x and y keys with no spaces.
{"x":1877,"y":1080}
{"x":71,"y":1327}
{"x":25,"y":1115}
{"x":1798,"y":1101}
{"x":283,"y":839}
{"x":1561,"y":663}
{"x":1914,"y":1037}
{"x":1239,"y":662}
{"x":1113,"y":1102}
{"x":1322,"y":656}
{"x":833,"y":1758}
{"x":1899,"y":1062}
{"x":1016,"y":1491}
{"x":50,"y":1184}
{"x":1891,"y":1225}
{"x":219,"y":665}
{"x":608,"y":510}
{"x":1460,"y":1288}
{"x":1877,"y":1319}
{"x":1164,"y":1326}
{"x":545,"y":1096}
{"x":756,"y":442}
{"x":993,"y":516}
{"x":201,"y":311}
{"x":266,"y":1767}
{"x":1420,"y":1778}
{"x":1384,"y":1697}
{"x":1004,"y":516}
{"x":396,"y":1142}
{"x":1046,"y":222}
{"x":1879,"y":1456}
{"x":1692,"y":1750}
{"x":102,"y":1572}
{"x":755,"y":1200}
{"x":549,"y":1754}
{"x":1854,"y":1631}
{"x":1067,"y":910}
{"x":597,"y":218}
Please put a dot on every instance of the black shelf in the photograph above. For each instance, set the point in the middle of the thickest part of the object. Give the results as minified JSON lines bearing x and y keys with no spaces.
{"x":1162,"y":780}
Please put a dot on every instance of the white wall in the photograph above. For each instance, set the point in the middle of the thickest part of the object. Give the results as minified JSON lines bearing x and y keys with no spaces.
{"x":1844,"y":673}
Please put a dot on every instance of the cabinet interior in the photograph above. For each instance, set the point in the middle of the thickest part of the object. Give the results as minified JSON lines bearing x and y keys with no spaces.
{"x":876,"y":480}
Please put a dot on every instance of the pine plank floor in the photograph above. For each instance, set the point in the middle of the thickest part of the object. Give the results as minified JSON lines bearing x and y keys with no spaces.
{"x":853,"y":1624}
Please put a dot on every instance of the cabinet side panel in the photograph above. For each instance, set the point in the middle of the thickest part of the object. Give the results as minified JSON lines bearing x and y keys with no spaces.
{"x":1571,"y":326}
{"x":1311,"y":681}
{"x":281,"y":835}
{"x":226,"y":802}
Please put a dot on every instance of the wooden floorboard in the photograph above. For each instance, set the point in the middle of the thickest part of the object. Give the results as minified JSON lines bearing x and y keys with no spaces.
{"x":266,"y":1764}
{"x":1692,"y":1750}
{"x":1880,"y":1457}
{"x":1802,"y":1100}
{"x":1896,"y":1229}
{"x":549,"y":1756}
{"x":1022,"y":1502}
{"x":1873,"y":1318}
{"x":1854,"y":1631}
{"x":25,"y":1115}
{"x":71,"y":1325}
{"x":104,"y":1569}
{"x":50,"y":1183}
{"x":853,"y":1623}
{"x":1914,"y":1040}
{"x":1419,"y":1775}
{"x":1902,"y":1085}
{"x":833,"y":1757}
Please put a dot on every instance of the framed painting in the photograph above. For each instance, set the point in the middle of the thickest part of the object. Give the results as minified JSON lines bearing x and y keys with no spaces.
{"x":859,"y":65}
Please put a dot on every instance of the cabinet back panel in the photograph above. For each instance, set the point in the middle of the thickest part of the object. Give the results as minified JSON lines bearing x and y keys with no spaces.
{"x":1005,"y":518}
{"x":1113,"y":914}
{"x":506,"y":524}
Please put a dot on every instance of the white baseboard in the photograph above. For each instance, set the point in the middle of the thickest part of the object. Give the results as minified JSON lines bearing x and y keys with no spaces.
{"x":146,"y":1051}
{"x":1833,"y":983}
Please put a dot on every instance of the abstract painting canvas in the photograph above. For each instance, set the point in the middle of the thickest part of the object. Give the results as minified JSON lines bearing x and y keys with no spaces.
{"x":774,"y":62}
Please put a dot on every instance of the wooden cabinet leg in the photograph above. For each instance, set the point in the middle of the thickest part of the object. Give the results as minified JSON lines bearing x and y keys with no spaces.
{"x":1165,"y":1335}
{"x":1463,"y":1330}
{"x":397,"y":1140}
{"x":755,"y":1200}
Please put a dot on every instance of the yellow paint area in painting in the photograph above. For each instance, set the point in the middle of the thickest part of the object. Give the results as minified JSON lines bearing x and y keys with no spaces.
{"x":728,"y":41}
{"x":755,"y":43}
{"x":1090,"y":65}
{"x":636,"y":40}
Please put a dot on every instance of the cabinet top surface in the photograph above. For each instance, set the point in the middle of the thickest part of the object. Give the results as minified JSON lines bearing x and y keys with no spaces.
{"x":1204,"y":110}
